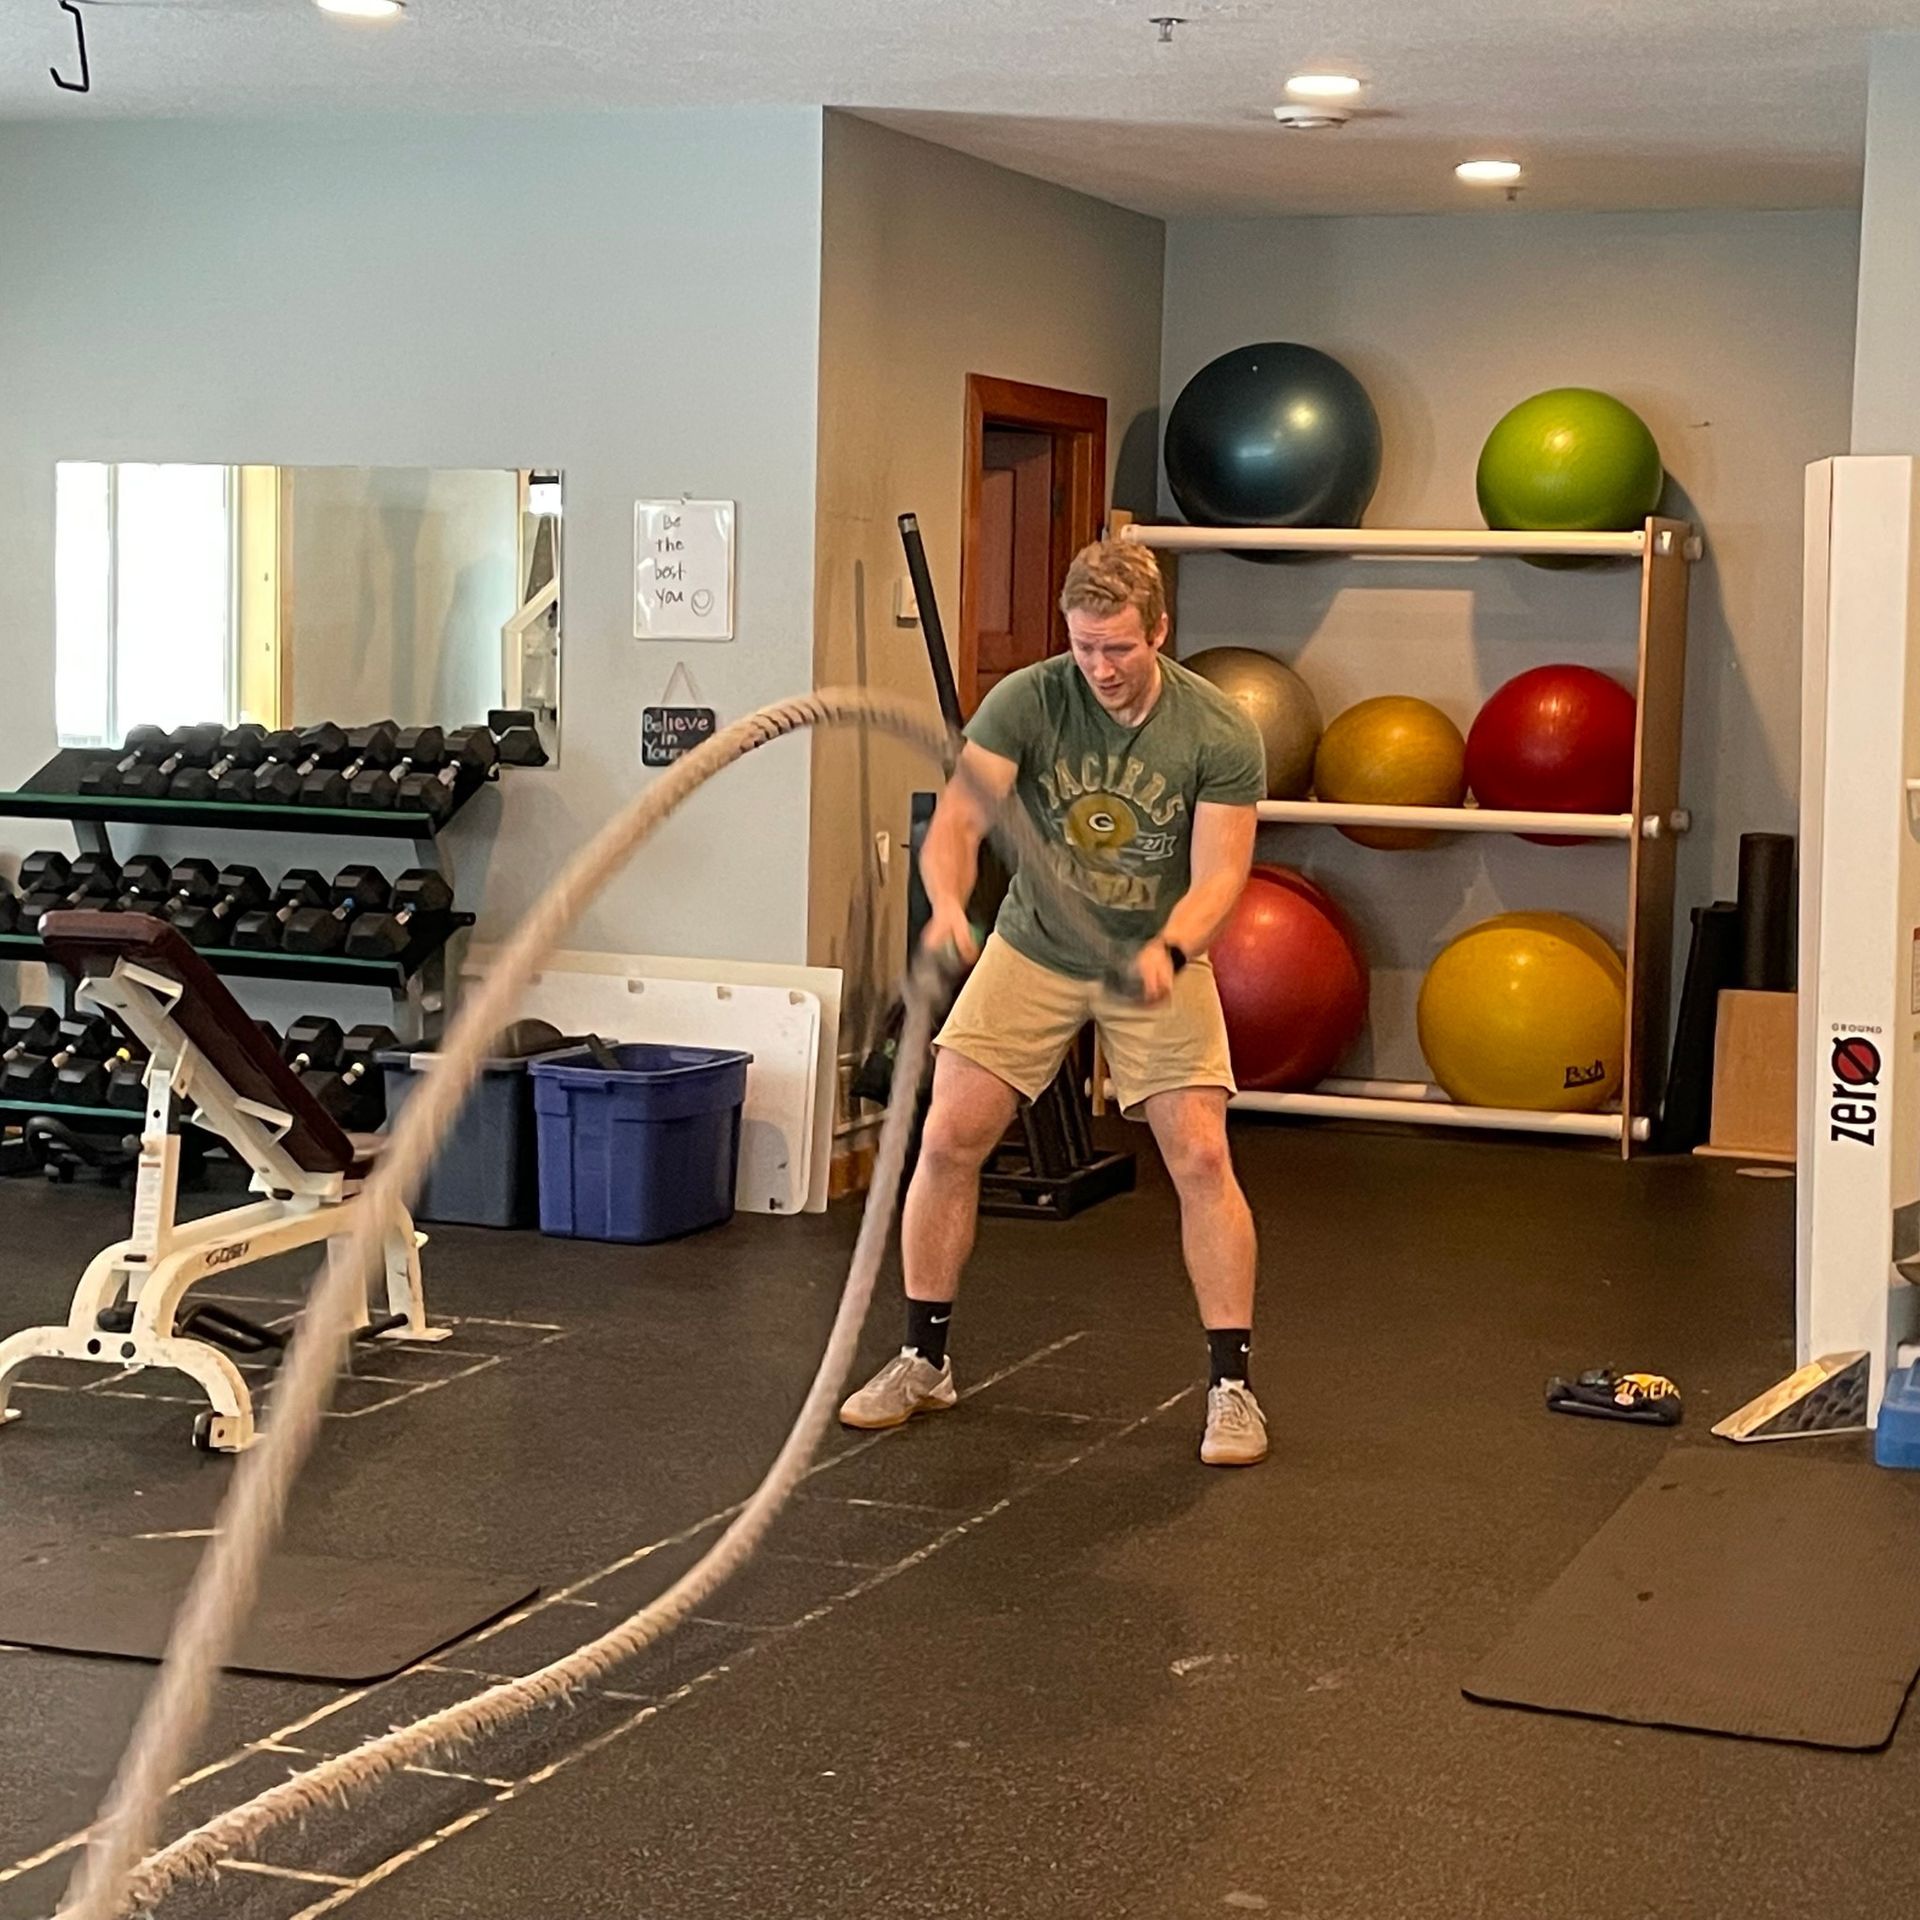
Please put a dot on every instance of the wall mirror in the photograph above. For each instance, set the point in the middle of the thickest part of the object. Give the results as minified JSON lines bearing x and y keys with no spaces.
{"x":295,"y":595}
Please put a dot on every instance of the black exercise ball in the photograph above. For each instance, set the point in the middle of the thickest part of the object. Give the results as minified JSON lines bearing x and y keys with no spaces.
{"x":1276,"y":435}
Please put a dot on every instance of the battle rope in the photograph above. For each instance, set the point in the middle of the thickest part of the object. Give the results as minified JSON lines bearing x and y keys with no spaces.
{"x":113,"y":1878}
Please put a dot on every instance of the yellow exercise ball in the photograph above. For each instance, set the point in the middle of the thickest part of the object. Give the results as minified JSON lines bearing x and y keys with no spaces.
{"x":1527,"y":1010}
{"x":1393,"y":751}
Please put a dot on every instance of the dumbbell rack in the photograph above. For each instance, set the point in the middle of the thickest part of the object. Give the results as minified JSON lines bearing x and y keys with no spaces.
{"x":421,"y":982}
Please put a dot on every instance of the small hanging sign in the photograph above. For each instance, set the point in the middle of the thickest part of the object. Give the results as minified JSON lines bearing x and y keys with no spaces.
{"x":683,"y":569}
{"x":668,"y":731}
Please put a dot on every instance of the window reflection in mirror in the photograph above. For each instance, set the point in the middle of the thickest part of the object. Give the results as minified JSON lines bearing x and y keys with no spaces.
{"x":293,"y":595}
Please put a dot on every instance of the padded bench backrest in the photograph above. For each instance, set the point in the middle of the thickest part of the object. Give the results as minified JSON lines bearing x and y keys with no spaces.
{"x":211,"y":1018}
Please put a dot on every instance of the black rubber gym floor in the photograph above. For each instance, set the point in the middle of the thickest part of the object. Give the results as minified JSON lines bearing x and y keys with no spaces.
{"x":1028,"y":1658}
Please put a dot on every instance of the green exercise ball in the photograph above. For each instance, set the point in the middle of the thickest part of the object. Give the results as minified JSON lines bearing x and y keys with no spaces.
{"x":1569,"y":461}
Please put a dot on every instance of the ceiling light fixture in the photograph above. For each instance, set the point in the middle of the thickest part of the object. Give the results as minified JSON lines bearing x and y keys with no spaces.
{"x":1303,"y":116}
{"x":363,"y":9}
{"x":1489,"y":173}
{"x":1323,"y":86}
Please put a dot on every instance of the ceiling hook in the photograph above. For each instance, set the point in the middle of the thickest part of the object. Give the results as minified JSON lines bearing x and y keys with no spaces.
{"x":85,"y":83}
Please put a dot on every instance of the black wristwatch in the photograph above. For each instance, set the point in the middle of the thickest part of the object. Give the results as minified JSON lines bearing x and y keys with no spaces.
{"x":1178,"y":955}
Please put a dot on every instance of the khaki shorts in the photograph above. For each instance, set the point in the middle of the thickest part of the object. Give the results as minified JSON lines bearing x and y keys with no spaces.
{"x":1017,"y":1019}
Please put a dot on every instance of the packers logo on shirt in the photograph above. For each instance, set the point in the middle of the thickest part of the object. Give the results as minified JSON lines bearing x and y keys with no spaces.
{"x":1101,"y":824}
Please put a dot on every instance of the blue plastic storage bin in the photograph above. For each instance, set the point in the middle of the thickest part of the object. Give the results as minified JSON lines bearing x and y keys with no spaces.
{"x":486,"y":1173}
{"x":1896,"y":1440}
{"x":647,"y":1150}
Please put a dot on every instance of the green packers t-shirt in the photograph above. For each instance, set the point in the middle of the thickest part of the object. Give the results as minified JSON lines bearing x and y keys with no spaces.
{"x":1116,"y":801}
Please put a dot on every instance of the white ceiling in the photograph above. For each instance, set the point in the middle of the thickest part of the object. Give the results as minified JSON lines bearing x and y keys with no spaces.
{"x":1632,"y":103}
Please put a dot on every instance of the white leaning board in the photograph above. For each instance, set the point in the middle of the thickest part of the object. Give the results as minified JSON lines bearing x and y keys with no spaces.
{"x":1859,"y":1078}
{"x":781,"y":1026}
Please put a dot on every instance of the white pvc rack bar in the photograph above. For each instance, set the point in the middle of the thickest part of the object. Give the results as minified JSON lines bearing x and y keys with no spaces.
{"x":1466,"y":543}
{"x":1326,"y":813}
{"x":1429,"y":1112}
{"x":1383,"y":1089}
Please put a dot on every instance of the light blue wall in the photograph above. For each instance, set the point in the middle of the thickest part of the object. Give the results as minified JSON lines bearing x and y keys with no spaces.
{"x":634,"y":299}
{"x":1886,"y":371}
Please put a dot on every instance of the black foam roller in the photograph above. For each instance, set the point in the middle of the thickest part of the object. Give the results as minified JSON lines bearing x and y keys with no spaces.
{"x":1766,"y":912}
{"x":1713,"y":963}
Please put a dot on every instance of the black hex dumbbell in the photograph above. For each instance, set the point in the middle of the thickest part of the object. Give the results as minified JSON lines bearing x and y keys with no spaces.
{"x":278,"y":782}
{"x":239,"y":785}
{"x":30,"y":1030}
{"x":241,"y":749}
{"x":33,"y":1076}
{"x":53,"y":883}
{"x":126,"y":1081}
{"x":190,"y":883}
{"x":94,"y":881}
{"x":352,"y":1090}
{"x":518,"y":735}
{"x":86,"y":1079}
{"x":43,"y":885}
{"x":368,"y":747}
{"x":471,"y":752}
{"x":141,"y":744}
{"x":418,"y":909}
{"x":145,"y":882}
{"x":355,"y":890}
{"x":208,"y":922}
{"x":419,"y":750}
{"x":9,"y":908}
{"x":312,"y":1044}
{"x":186,"y":747}
{"x":259,"y":930}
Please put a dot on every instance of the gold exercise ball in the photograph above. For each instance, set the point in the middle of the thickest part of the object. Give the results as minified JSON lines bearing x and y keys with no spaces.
{"x":1394,"y":751}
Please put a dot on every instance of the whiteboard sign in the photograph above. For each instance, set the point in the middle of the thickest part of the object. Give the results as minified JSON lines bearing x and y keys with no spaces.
{"x":683,"y":569}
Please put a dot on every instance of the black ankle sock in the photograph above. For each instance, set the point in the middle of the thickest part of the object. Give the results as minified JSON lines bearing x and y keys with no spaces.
{"x":927,"y":1329}
{"x":1227,"y":1349}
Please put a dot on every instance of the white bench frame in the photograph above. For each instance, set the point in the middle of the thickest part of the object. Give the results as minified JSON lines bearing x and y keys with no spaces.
{"x":161,"y":1260}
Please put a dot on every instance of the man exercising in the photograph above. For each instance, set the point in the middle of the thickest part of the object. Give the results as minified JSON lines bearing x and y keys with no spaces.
{"x":1145,"y":777}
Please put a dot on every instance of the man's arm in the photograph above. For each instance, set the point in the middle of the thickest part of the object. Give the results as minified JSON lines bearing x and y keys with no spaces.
{"x":950,"y":854}
{"x":1222,"y":856}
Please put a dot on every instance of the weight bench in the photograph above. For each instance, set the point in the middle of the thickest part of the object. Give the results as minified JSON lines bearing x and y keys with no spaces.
{"x":206,"y":1052}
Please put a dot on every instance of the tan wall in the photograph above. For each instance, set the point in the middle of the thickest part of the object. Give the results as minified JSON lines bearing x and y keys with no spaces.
{"x":935,"y":266}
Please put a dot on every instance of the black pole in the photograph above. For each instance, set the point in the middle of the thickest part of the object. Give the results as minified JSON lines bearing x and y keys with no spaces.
{"x":930,"y":627}
{"x":1766,"y":912}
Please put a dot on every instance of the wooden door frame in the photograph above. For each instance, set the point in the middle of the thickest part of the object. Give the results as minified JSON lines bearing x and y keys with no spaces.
{"x":1077,"y":424}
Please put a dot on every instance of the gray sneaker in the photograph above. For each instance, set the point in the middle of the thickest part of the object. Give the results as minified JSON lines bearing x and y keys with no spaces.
{"x":906,"y":1385}
{"x":1236,"y":1433}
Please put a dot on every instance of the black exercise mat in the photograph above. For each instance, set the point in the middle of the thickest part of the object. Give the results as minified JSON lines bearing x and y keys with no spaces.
{"x":1738,"y":1590}
{"x":317,"y":1618}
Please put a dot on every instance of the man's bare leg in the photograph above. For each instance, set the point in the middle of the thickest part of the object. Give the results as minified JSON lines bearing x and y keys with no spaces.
{"x":1216,"y":1224}
{"x":971,"y":1109}
{"x":1222,"y":1255}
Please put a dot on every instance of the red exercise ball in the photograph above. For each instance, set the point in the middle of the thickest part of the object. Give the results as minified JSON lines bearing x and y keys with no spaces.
{"x":1556,"y":739}
{"x":1292,"y":980}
